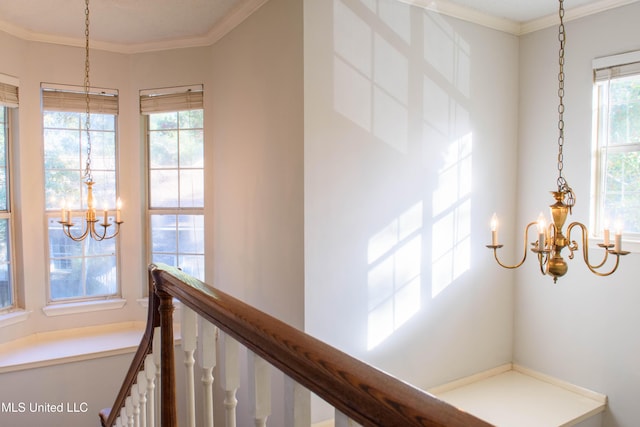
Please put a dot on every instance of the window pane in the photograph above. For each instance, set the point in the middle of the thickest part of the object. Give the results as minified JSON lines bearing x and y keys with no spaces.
{"x":193,"y":265}
{"x":191,"y":148}
{"x":6,"y":287}
{"x":163,"y":121}
{"x":62,"y":149}
{"x":168,"y":259}
{"x":191,"y":119}
{"x":101,"y":275}
{"x":624,"y":110}
{"x":80,"y":269}
{"x":178,"y":240}
{"x":4,"y":201}
{"x":622,"y":189}
{"x":192,"y":188}
{"x":163,"y":233}
{"x":191,"y":234}
{"x":163,"y":149}
{"x":61,"y":120}
{"x":163,"y":188}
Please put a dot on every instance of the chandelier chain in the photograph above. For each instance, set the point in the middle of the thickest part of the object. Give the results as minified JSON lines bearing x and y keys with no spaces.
{"x":563,"y":186}
{"x":87,"y":87}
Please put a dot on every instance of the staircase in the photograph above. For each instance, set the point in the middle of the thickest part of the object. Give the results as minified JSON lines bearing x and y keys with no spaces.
{"x":215,"y":326}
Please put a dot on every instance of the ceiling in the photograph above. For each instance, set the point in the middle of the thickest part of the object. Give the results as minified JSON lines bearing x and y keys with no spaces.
{"x":144,"y":25}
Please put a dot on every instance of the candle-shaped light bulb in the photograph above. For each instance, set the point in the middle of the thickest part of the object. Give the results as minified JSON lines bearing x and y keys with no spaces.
{"x":617,"y":247}
{"x":105,"y":216}
{"x":118,"y":207}
{"x":494,"y":230}
{"x":63,"y":212}
{"x":606,"y":238}
{"x":542,"y":226}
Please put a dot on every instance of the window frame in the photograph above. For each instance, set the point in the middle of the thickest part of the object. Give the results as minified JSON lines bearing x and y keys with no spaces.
{"x":52,"y":214}
{"x":605,"y":70}
{"x":179,"y":99}
{"x":8,"y":214}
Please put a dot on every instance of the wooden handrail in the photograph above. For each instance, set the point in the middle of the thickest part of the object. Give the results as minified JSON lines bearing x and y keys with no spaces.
{"x":109,"y":416}
{"x":361,"y":392}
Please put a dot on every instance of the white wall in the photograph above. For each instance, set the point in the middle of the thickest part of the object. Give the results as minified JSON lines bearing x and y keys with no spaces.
{"x":584,"y":328}
{"x":410,"y":126}
{"x":257,"y":132}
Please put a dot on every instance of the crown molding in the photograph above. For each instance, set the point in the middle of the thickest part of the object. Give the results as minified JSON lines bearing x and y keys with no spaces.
{"x":448,"y":8}
{"x":572,"y":14}
{"x":222,"y":28}
{"x":248,"y":7}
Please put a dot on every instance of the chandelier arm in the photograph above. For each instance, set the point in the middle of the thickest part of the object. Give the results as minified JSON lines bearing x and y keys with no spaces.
{"x":543,"y":260}
{"x":585,"y":250}
{"x":100,"y":237}
{"x":66,"y":228}
{"x":524,"y":255}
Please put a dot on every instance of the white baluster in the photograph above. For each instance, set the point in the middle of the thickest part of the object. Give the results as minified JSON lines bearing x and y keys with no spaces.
{"x":188,"y":330}
{"x":120,"y":420}
{"x":343,"y":421}
{"x":207,"y":357}
{"x":150,"y":373}
{"x":157,"y":361}
{"x":230,"y":375}
{"x":135,"y":402}
{"x":259,"y":388}
{"x":297,"y":404}
{"x":128,"y":406}
{"x":142,"y":397}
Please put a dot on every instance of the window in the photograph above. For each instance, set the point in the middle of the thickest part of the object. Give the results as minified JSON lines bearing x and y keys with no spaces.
{"x":617,"y":164}
{"x":8,"y":102}
{"x":175,"y":144}
{"x":86,"y":269}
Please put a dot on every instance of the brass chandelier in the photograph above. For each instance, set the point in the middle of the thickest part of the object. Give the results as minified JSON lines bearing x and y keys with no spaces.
{"x":89,"y":228}
{"x":551,"y":238}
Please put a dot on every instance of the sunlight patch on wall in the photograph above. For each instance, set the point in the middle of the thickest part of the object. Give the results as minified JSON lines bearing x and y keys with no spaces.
{"x":371,"y":74}
{"x":451,"y":231}
{"x":394,"y":279}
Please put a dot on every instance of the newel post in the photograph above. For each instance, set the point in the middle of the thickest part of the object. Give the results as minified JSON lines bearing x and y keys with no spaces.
{"x":167,"y":370}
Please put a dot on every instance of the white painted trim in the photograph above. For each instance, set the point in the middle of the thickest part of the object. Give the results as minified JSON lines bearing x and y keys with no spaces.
{"x":448,"y":8}
{"x":572,"y":14}
{"x":233,"y":19}
{"x":11,"y":80}
{"x":83,"y":307}
{"x":470,"y":379}
{"x":244,"y":10}
{"x":598,"y":397}
{"x":13,"y":317}
{"x":70,"y":345}
{"x":513,"y":27}
{"x":482,"y":395}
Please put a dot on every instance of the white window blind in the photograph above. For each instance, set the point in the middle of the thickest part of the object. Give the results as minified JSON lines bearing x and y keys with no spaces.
{"x":171,"y":99}
{"x":73,"y":99}
{"x":615,"y":66}
{"x":8,"y":91}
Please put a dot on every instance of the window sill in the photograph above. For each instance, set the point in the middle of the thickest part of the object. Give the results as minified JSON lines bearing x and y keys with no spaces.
{"x":13,"y":317}
{"x":71,"y":345}
{"x":83,"y":307}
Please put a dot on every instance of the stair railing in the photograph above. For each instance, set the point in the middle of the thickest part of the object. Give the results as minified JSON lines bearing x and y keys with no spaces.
{"x":359,"y":393}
